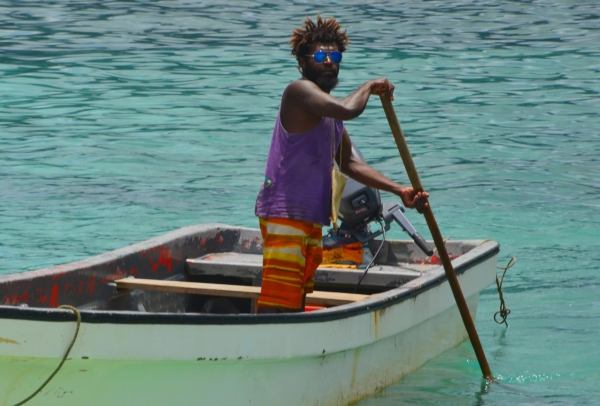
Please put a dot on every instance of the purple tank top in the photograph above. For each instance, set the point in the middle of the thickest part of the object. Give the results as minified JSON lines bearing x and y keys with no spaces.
{"x":298,"y":174}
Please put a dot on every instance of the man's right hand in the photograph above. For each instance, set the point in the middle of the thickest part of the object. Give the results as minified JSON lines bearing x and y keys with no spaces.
{"x":382,"y":86}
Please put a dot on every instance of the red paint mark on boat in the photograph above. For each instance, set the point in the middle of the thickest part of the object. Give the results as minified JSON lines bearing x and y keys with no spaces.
{"x":154,"y":267}
{"x":219,"y":239}
{"x":434,"y":260}
{"x":53,"y":301}
{"x":117,"y":275}
{"x":133,"y":271}
{"x":43,"y":299}
{"x":92,"y":284}
{"x":165,"y":257}
{"x":16,"y":299}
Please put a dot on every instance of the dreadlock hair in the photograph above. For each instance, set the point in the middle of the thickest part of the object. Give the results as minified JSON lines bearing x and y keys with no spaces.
{"x":324,"y":31}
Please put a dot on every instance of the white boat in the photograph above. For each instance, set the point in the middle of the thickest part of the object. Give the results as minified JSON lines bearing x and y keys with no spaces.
{"x":146,"y":347}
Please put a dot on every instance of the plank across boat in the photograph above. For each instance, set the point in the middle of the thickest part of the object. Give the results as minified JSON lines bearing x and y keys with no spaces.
{"x":248,"y":292}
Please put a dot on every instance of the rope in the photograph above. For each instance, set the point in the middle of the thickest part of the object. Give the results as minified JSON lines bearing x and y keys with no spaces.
{"x":484,"y":241}
{"x":64,"y":358}
{"x":501,"y":315}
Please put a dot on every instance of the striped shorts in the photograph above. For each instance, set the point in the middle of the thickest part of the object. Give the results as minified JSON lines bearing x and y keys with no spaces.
{"x":292,"y":251}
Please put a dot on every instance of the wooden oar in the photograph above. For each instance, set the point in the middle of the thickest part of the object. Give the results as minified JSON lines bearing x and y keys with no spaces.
{"x":411,"y":170}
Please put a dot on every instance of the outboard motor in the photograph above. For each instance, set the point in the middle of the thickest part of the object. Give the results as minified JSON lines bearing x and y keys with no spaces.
{"x":361,"y":205}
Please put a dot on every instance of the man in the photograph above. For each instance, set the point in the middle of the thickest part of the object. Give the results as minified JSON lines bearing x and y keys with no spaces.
{"x":294,"y":201}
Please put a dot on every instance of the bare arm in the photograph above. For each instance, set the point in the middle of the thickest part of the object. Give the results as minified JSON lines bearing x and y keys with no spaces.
{"x":363,"y":173}
{"x":305,"y":95}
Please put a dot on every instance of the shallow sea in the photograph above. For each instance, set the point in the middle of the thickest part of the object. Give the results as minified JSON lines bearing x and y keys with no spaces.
{"x":122,"y":120}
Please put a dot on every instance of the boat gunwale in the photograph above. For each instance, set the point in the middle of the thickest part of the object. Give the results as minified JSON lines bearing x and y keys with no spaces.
{"x":381,"y":301}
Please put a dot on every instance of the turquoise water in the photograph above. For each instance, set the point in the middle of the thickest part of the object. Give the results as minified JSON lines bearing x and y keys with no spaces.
{"x":120,"y":121}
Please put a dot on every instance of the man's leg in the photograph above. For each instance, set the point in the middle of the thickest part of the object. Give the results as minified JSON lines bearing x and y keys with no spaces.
{"x":313,"y":254}
{"x":286,"y":244}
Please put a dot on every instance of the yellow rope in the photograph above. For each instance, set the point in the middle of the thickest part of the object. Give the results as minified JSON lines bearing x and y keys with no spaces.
{"x":504,"y":311}
{"x":64,"y":358}
{"x":483,"y":242}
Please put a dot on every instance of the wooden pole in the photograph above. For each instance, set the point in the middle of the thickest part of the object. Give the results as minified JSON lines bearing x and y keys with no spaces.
{"x":411,"y":170}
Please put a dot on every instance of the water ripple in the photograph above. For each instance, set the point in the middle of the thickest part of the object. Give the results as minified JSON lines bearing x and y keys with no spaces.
{"x":124,"y":120}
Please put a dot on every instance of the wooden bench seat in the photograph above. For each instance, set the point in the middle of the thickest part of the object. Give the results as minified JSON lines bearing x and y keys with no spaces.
{"x":214,"y":289}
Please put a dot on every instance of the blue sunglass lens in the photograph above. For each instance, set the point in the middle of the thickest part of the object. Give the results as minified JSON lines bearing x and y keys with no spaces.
{"x":321,"y":56}
{"x":336,"y":57}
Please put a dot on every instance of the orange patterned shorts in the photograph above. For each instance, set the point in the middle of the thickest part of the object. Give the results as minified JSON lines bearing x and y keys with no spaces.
{"x":292,"y":251}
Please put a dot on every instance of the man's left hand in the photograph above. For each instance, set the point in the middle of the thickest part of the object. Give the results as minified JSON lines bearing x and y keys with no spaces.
{"x":414,"y":200}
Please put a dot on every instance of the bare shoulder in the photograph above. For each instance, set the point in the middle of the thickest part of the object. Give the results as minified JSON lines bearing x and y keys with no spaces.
{"x":295,"y":113}
{"x":299,"y":94}
{"x":300,"y":87}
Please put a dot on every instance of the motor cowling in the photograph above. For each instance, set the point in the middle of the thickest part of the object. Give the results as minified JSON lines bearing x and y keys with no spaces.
{"x":360,"y":204}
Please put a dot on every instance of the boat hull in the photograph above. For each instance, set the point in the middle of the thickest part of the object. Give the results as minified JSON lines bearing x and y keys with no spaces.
{"x":330,"y":379}
{"x":366,"y":353}
{"x":333,"y":356}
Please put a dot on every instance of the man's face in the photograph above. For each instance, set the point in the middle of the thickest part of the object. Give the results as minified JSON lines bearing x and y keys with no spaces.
{"x":322,"y":74}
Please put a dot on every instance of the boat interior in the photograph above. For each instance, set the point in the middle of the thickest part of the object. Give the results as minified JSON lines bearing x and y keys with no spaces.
{"x":229,"y":282}
{"x":210,"y":269}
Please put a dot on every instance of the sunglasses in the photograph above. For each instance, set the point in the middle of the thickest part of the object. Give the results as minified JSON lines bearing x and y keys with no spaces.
{"x":321,"y":56}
